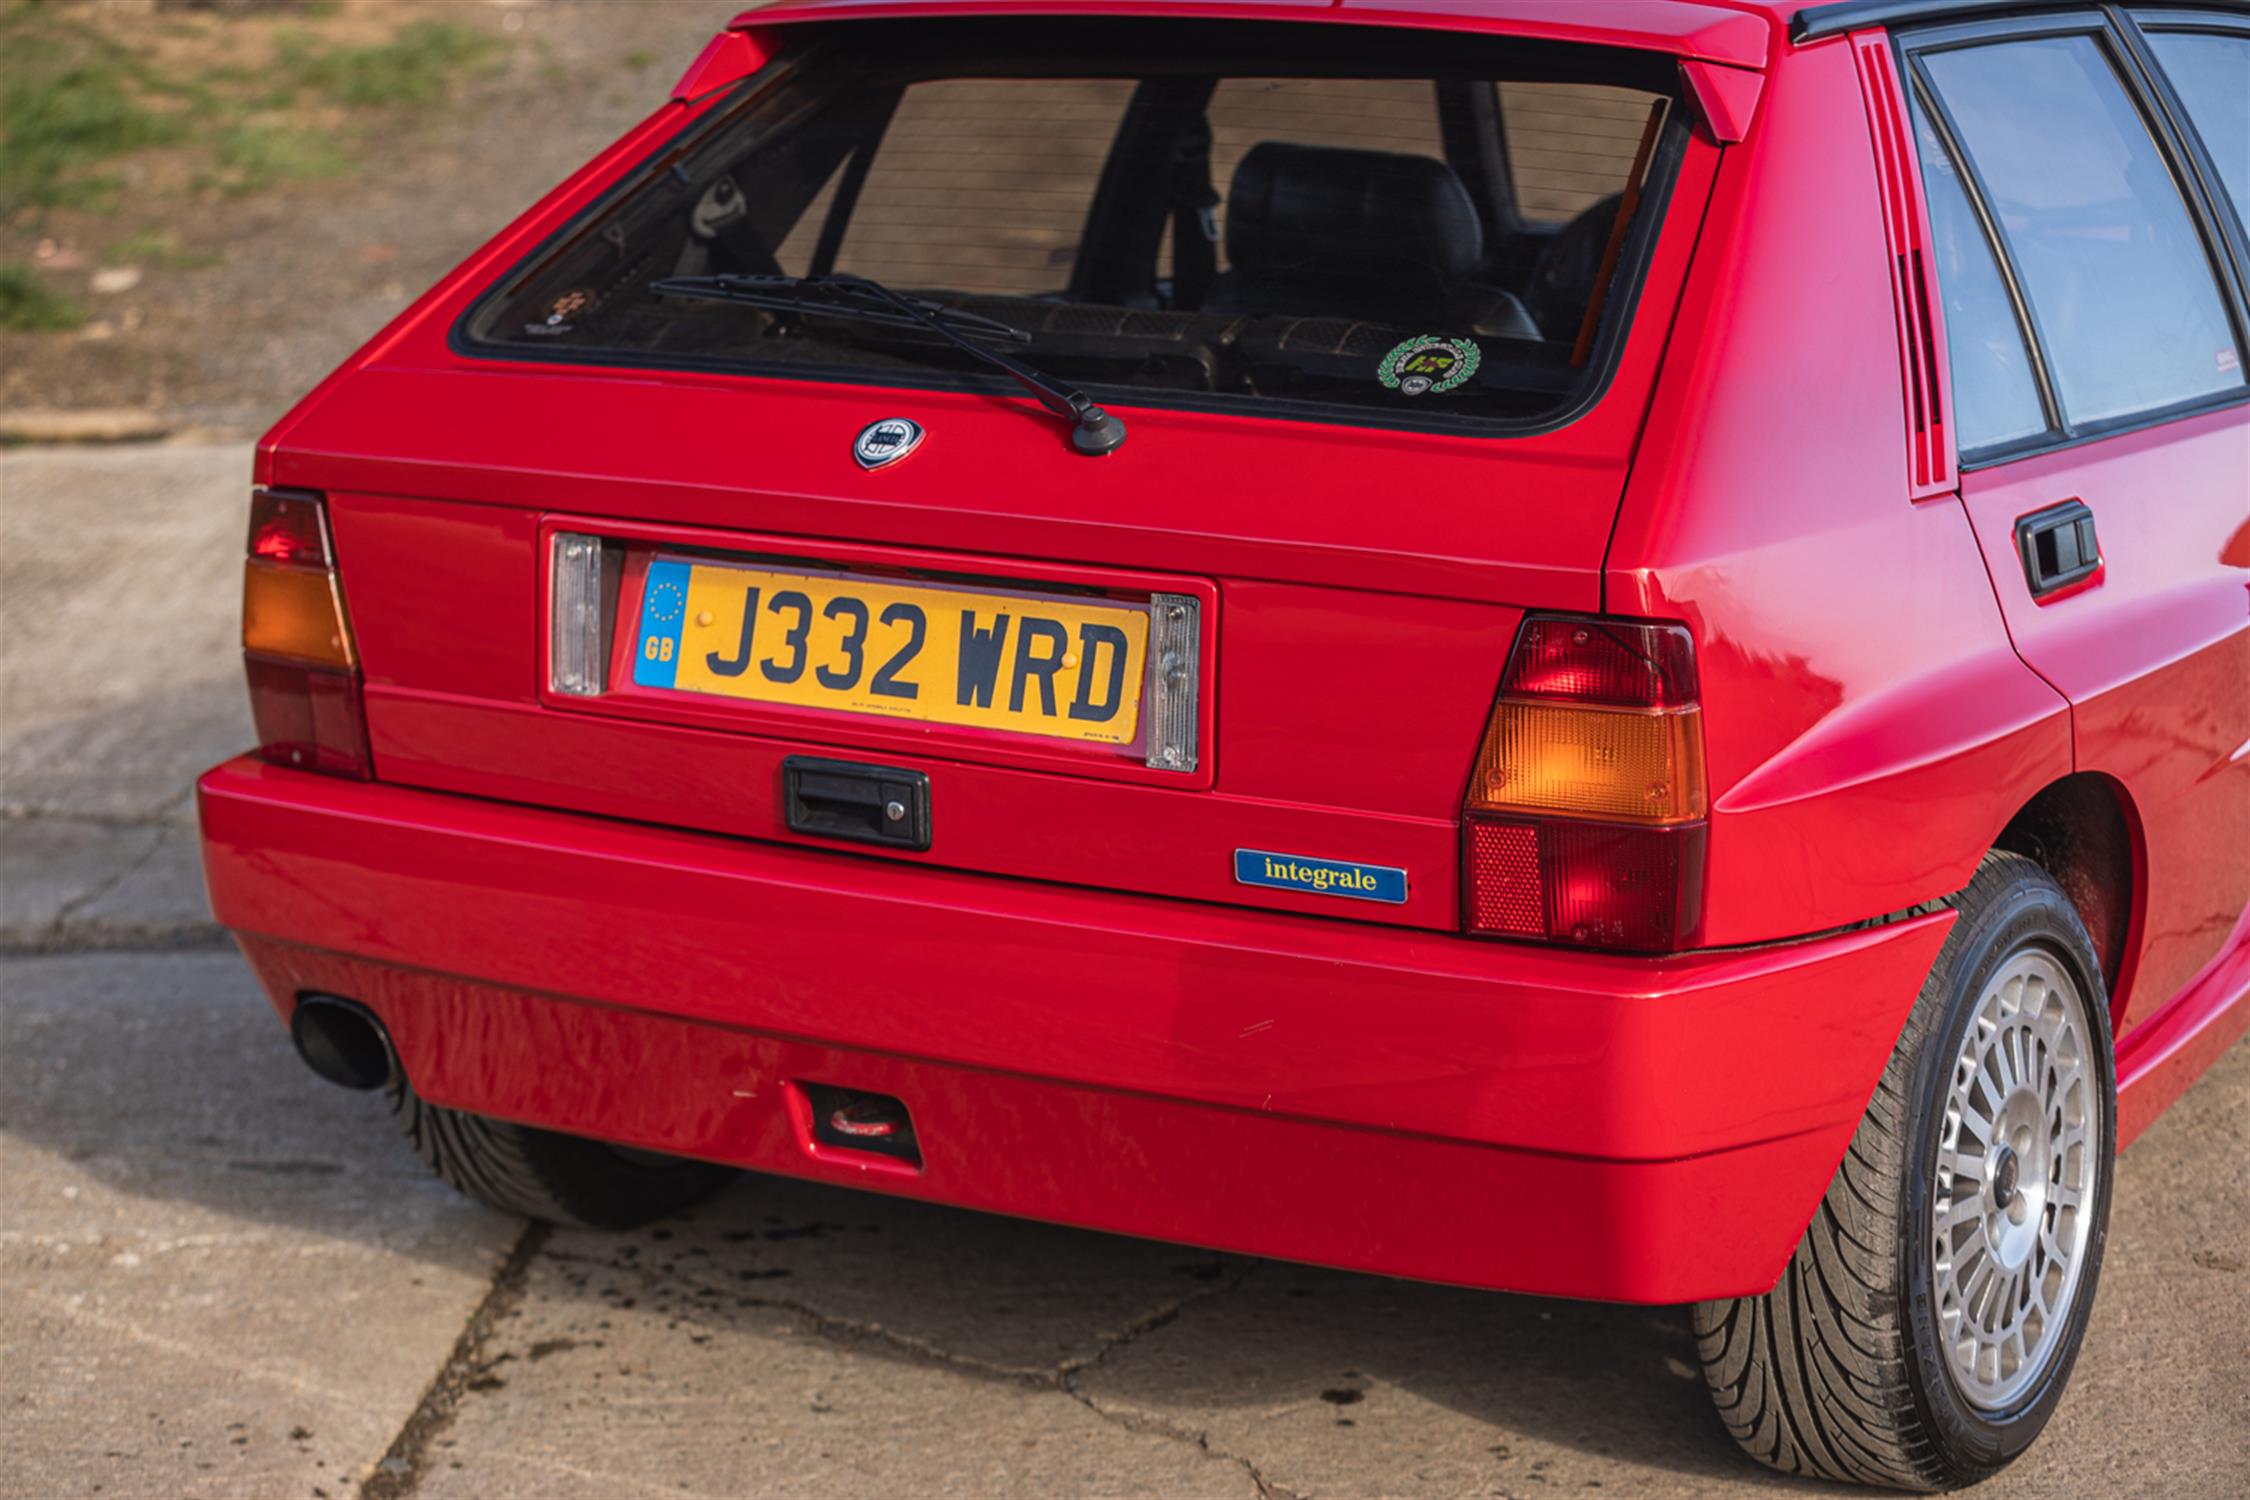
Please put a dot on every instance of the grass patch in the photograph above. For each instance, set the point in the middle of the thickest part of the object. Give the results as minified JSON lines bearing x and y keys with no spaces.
{"x":73,"y":100}
{"x":70,"y":100}
{"x":252,"y":158}
{"x":417,"y":66}
{"x":159,"y":248}
{"x":27,"y":305}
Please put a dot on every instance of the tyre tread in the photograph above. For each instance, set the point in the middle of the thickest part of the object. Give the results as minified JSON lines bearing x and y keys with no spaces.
{"x":1814,"y":1377}
{"x":539,"y":1174}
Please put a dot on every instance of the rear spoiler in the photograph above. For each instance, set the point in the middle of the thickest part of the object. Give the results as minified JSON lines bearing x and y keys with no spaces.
{"x":1722,"y":53}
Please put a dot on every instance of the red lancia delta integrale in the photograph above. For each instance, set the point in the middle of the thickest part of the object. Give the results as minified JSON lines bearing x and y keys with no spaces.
{"x":1592,"y":649}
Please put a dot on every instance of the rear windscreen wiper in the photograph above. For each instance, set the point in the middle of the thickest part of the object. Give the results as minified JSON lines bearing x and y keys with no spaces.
{"x":1092,"y":429}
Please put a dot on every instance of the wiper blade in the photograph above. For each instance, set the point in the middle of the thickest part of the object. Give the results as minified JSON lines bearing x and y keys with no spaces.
{"x":839,"y":297}
{"x":1093,"y":430}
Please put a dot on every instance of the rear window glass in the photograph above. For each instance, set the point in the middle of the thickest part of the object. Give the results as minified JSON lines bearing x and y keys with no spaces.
{"x":1410,"y":231}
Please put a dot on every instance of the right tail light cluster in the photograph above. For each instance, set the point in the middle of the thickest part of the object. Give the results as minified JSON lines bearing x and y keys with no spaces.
{"x":1585,"y":818}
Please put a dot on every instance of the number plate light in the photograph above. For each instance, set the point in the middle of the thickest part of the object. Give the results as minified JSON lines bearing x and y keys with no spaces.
{"x":1175,"y":653}
{"x":576,"y":658}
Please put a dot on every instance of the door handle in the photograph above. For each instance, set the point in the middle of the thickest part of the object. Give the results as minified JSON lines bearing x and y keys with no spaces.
{"x":836,"y":799}
{"x":2058,"y":547}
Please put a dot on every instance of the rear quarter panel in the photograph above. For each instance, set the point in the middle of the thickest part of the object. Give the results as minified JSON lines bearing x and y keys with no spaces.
{"x":1870,"y":729}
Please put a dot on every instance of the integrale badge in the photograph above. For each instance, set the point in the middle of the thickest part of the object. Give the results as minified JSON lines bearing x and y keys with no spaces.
{"x":1321,"y":877}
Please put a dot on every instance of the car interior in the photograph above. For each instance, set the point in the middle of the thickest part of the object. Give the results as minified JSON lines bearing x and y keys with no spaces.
{"x":1110,"y":231}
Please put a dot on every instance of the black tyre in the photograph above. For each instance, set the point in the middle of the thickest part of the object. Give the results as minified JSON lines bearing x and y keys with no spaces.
{"x":1924,"y":1330}
{"x":539,"y":1174}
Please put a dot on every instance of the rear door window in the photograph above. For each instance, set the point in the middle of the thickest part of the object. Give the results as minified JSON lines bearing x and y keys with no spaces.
{"x":2119,"y":281}
{"x":2210,"y":71}
{"x":1318,"y":226}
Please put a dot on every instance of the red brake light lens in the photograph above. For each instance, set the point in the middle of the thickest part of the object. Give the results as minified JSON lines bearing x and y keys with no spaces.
{"x":288,"y":529}
{"x":1613,"y":663}
{"x":1584,"y":818}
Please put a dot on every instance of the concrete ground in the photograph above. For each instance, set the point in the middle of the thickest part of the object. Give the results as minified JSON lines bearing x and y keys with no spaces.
{"x":224,"y":1278}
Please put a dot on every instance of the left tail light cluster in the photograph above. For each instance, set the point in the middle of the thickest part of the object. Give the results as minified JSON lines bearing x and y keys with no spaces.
{"x":297,"y":641}
{"x":1585,"y":817}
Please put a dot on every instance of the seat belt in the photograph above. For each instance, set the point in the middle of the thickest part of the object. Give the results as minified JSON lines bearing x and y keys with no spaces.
{"x":1195,"y":219}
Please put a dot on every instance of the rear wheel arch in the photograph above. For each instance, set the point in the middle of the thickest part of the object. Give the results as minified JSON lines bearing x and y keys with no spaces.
{"x":2084,"y":831}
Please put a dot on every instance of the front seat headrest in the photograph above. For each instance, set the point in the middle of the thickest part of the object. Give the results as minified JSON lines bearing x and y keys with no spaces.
{"x":1324,"y":213}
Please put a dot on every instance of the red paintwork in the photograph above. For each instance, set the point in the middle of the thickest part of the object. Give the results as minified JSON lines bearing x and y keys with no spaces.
{"x":2155,"y":659}
{"x":1727,"y":98}
{"x":730,"y":57}
{"x":1129,"y":1063}
{"x":1869,"y":729}
{"x":588,"y":915}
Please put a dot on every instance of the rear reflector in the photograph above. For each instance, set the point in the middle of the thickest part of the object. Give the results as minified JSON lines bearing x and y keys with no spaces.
{"x":297,"y":641}
{"x":1599,"y":885}
{"x":307,"y":719}
{"x":1583,"y":819}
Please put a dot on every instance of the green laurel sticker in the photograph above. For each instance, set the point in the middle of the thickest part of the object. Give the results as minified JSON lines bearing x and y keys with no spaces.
{"x":1429,"y":363}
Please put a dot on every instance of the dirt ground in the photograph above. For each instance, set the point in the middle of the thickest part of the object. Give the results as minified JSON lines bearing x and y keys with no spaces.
{"x":315,"y":167}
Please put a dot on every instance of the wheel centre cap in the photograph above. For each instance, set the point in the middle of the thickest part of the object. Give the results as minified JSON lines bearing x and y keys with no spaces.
{"x":2004,"y":1179}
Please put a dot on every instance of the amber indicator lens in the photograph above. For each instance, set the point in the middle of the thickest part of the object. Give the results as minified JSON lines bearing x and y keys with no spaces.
{"x":1646,"y":767}
{"x":294,"y":613}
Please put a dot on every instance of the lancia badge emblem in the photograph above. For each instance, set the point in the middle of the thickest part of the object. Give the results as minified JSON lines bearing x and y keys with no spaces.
{"x":886,"y":442}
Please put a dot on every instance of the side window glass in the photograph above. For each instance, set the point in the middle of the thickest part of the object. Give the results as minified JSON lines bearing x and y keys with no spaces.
{"x":2117,"y":277}
{"x":2211,"y":73}
{"x":1994,"y":398}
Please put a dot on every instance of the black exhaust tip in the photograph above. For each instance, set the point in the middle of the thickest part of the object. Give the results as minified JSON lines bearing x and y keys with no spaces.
{"x":343,"y":1041}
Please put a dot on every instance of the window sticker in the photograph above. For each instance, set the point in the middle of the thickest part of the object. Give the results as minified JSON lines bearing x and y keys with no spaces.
{"x":1429,"y":364}
{"x":559,"y":313}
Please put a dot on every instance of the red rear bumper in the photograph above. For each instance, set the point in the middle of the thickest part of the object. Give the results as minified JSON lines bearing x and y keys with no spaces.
{"x":1379,"y":1099}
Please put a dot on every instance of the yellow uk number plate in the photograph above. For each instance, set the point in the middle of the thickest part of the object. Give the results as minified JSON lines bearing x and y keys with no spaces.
{"x":1064,"y":668}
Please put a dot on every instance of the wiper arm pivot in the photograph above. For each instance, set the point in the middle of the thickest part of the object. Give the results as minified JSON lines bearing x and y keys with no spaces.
{"x":1092,"y":431}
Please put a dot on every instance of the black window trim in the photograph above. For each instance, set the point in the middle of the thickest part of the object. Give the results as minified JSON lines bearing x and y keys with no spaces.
{"x":1667,"y":164}
{"x":2108,"y":25}
{"x":1815,"y":23}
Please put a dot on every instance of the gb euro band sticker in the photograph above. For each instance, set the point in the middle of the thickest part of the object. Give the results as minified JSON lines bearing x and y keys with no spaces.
{"x":1429,"y":364}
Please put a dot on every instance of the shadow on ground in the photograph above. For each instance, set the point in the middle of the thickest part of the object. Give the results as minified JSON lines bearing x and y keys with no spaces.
{"x":223,"y":1117}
